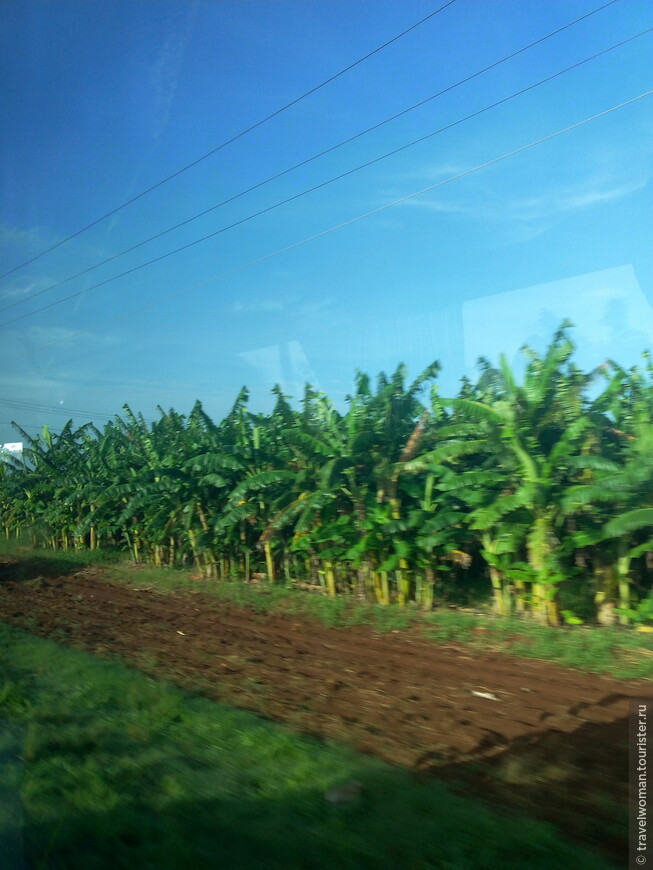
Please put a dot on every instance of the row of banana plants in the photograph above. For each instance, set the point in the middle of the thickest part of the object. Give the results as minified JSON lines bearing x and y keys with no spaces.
{"x":540,"y":484}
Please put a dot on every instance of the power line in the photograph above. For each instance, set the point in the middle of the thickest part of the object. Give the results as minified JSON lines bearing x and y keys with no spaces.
{"x":354,"y":220}
{"x":234,"y":138}
{"x":306,"y":161}
{"x":52,"y":409}
{"x":34,"y":408}
{"x":13,"y":423}
{"x":321,"y":184}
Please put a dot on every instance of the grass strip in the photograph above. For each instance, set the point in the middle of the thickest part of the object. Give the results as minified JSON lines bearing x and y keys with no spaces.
{"x":106,"y":768}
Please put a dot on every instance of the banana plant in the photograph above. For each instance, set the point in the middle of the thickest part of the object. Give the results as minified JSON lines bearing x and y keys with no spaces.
{"x":615,"y":510}
{"x":382,"y":498}
{"x":522,"y":439}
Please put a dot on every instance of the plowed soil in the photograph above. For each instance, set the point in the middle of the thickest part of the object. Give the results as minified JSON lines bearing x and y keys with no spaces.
{"x":549,"y":740}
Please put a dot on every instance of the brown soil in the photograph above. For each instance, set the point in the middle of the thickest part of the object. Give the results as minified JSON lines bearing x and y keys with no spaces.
{"x":550,"y":740}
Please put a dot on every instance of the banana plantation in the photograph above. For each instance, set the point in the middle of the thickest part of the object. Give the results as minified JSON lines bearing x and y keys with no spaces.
{"x":533,"y":491}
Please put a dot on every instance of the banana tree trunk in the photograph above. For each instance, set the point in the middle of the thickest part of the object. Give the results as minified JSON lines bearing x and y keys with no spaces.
{"x":385,"y":588}
{"x":380,"y":582}
{"x":209,"y":556}
{"x":496,"y":577}
{"x":552,"y":609}
{"x":428,"y":589}
{"x":136,"y":542}
{"x":498,"y":597}
{"x":403,"y":583}
{"x":538,"y":602}
{"x":604,"y":597}
{"x":362,"y":580}
{"x":330,"y":579}
{"x":269,"y":561}
{"x":193,"y":547}
{"x":313,"y":566}
{"x":623,"y":581}
{"x":540,"y":547}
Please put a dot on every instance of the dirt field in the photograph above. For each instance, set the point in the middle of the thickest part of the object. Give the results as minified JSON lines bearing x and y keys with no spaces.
{"x":530,"y":734}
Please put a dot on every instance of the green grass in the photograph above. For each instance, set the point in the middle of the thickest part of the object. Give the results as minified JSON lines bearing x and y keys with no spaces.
{"x":54,"y":563}
{"x":620,"y":652}
{"x":110,"y":769}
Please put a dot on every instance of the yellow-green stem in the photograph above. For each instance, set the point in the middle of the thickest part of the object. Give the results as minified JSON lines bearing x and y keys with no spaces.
{"x":268,"y":561}
{"x":330,"y":579}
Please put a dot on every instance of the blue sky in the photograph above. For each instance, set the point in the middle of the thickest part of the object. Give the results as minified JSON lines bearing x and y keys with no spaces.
{"x":102,"y":100}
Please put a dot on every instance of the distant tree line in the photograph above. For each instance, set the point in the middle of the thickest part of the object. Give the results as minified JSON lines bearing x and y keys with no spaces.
{"x":541,"y":490}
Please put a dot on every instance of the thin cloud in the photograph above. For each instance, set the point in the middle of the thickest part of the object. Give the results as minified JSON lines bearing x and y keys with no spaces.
{"x":44,"y":335}
{"x":486,"y":206}
{"x":33,"y":237}
{"x":33,"y":387}
{"x":259,"y":306}
{"x":591,"y":197}
{"x":315,"y":306}
{"x":430,"y":173}
{"x":294,"y":306}
{"x":447,"y":208}
{"x":19,"y":289}
{"x":164,"y":75}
